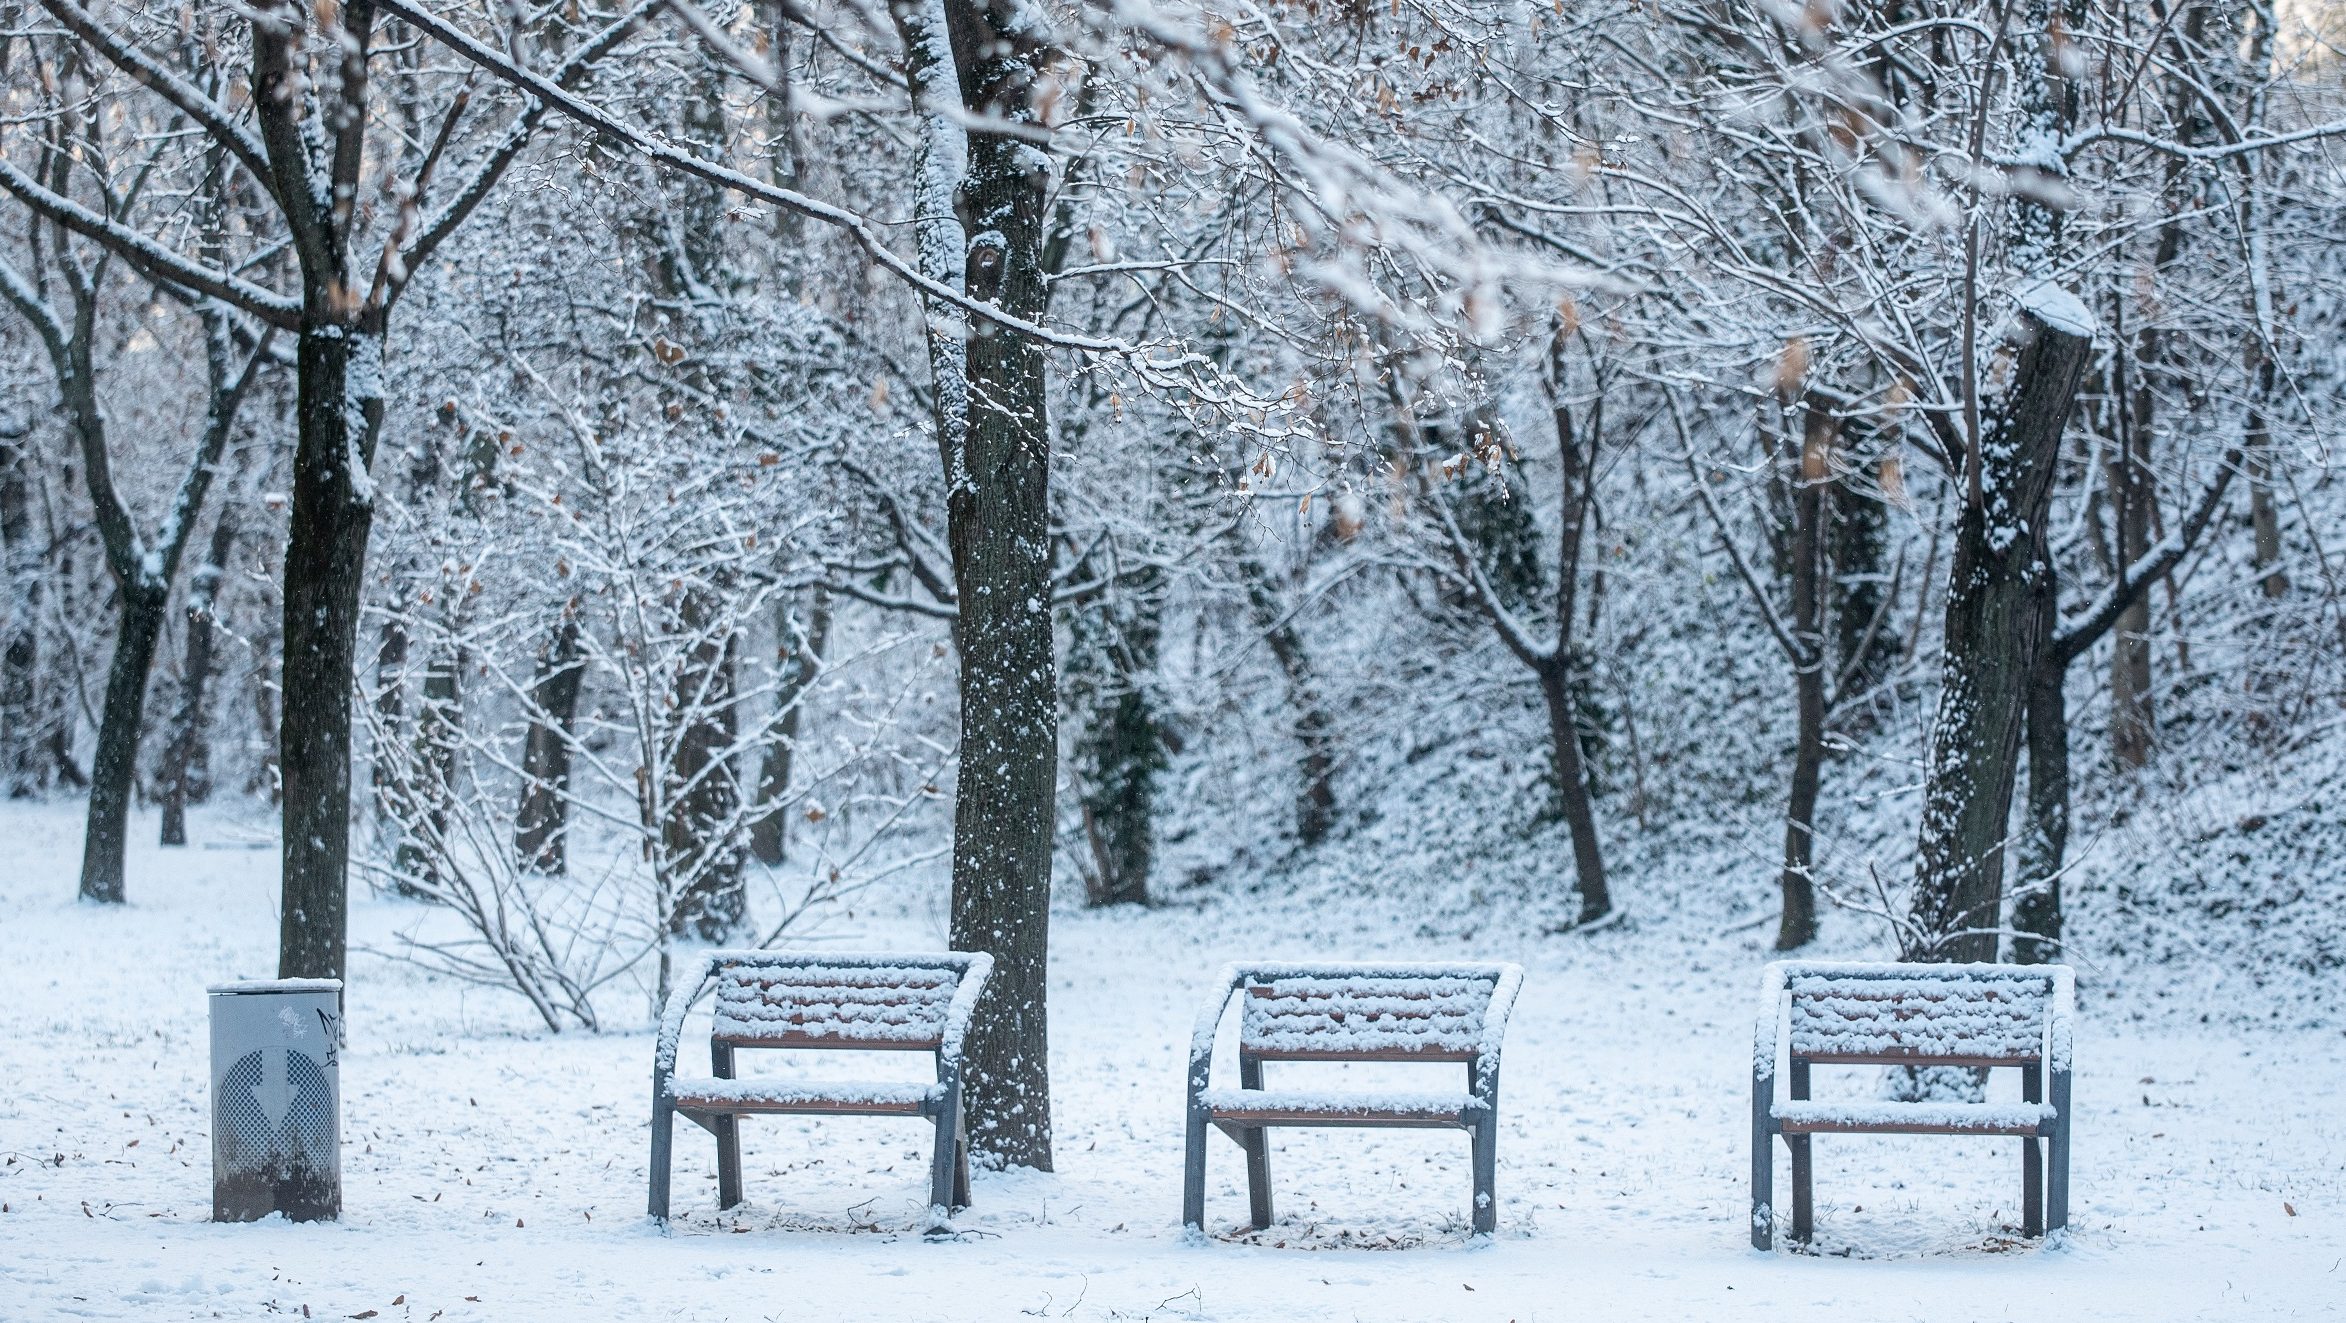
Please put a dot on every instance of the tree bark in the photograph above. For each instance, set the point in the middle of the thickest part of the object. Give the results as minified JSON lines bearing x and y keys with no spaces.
{"x":699,"y":832}
{"x":769,"y":831}
{"x":1992,"y":636}
{"x":541,"y":823}
{"x":186,"y":775}
{"x":998,"y":527}
{"x":325,"y":567}
{"x":1797,"y":926}
{"x":1315,"y":795}
{"x":114,"y":767}
{"x":2036,"y":914}
{"x":23,"y":763}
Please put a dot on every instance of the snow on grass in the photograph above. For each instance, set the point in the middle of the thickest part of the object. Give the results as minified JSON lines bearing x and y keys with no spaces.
{"x":497,"y":1172}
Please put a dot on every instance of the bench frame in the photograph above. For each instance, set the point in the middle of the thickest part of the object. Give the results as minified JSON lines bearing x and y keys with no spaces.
{"x":2045,"y":1070}
{"x":1248,"y":1128}
{"x":949,"y":1160}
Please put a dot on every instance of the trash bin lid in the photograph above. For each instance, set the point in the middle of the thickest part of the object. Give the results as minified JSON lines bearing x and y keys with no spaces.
{"x":236,"y":989}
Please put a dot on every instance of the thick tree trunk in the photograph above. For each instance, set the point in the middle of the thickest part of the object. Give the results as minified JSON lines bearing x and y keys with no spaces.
{"x":1992,"y":636}
{"x":186,"y":776}
{"x":325,"y":567}
{"x":541,"y":825}
{"x":769,"y":831}
{"x":998,"y":526}
{"x":114,"y":768}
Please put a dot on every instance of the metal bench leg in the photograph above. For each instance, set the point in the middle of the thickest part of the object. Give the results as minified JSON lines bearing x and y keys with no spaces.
{"x":728,"y":1161}
{"x":1763,"y":1162}
{"x":960,"y":1159}
{"x":942,"y":1169}
{"x":1486,"y":1172}
{"x":2057,"y":1158}
{"x":663,"y":1148}
{"x":1803,"y":1171}
{"x":727,"y":1128}
{"x":1193,"y":1172}
{"x":1803,"y":1189}
{"x":1257,"y":1142}
{"x":2032,"y":1172}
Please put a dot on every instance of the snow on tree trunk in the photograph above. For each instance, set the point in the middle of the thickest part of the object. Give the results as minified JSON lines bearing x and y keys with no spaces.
{"x":1991,"y":642}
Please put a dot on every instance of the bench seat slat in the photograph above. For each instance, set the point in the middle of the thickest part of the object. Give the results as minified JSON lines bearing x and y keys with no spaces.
{"x":1253,"y":1107}
{"x":1895,"y":1118}
{"x":784,"y":1097}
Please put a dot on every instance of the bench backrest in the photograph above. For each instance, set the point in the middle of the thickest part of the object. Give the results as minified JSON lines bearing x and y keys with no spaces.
{"x":1369,"y":1015}
{"x":1954,"y":1015}
{"x":869,"y":1003}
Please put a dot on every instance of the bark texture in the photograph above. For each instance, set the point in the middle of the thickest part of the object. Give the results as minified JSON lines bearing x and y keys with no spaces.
{"x":1993,"y":633}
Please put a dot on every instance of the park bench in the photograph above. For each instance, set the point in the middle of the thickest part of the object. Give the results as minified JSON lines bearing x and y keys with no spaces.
{"x":1815,"y":1013}
{"x":1350,"y":1012}
{"x":771,"y":999}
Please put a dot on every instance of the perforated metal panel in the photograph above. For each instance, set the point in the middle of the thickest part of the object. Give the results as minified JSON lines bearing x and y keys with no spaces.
{"x":276,"y":1100}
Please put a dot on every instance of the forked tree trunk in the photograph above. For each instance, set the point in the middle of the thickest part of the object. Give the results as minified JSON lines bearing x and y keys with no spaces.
{"x":1993,"y":632}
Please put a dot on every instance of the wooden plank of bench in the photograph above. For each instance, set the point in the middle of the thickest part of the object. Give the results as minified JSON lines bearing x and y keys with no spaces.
{"x":798,"y":1107}
{"x":1238,"y":1118}
{"x":1363,"y":1054}
{"x":1914,"y":1059}
{"x":1880,"y":1128}
{"x":801,"y":1038}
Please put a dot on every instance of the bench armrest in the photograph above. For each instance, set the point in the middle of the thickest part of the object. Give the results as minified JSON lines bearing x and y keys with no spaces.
{"x":1766,"y":1035}
{"x":1209,"y":1025}
{"x":958,"y":1015}
{"x":681,"y":996}
{"x":2061,"y":1021}
{"x":1494,"y":1035}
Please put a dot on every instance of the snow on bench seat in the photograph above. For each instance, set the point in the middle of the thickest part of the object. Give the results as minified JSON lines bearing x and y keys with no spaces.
{"x":1974,"y":1017}
{"x":841,"y":1005}
{"x":784,"y":1096}
{"x":1813,"y":1118}
{"x":1315,"y":1107}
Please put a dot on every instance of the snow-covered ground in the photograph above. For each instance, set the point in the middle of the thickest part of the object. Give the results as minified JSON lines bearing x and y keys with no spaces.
{"x":496,"y":1172}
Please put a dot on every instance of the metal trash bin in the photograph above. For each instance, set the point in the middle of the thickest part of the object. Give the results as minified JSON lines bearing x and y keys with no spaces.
{"x":277,"y":1100}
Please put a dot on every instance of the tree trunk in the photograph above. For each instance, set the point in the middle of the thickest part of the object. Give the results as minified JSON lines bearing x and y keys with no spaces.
{"x":2264,"y":517}
{"x":2131,"y":495}
{"x":187,"y":759}
{"x":2036,"y":914}
{"x":769,"y":831}
{"x":998,"y":526}
{"x":1806,"y":551}
{"x":1315,"y":796}
{"x":430,"y":773}
{"x":325,"y":567}
{"x":1992,"y":637}
{"x":1112,"y":659}
{"x":704,"y":798}
{"x":23,"y":764}
{"x":541,"y":823}
{"x":114,"y":768}
{"x":1573,"y":802}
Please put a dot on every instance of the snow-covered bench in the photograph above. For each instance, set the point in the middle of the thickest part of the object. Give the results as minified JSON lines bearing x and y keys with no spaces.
{"x":1350,"y":1012}
{"x":772,"y":999}
{"x":1816,"y":1013}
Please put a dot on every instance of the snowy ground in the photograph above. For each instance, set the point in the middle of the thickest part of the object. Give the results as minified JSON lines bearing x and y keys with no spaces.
{"x":496,"y":1172}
